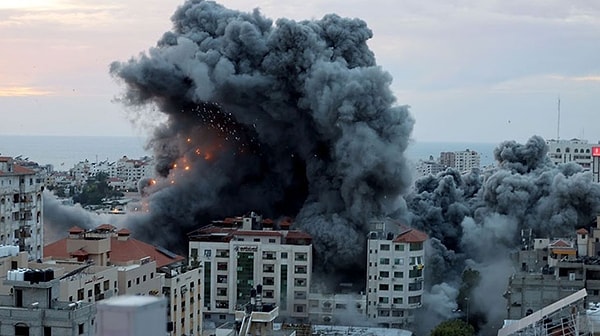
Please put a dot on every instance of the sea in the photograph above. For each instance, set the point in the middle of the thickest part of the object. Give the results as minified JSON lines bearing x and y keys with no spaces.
{"x":63,"y":152}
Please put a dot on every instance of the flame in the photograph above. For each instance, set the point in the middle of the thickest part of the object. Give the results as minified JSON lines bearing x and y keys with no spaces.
{"x":187,"y":168}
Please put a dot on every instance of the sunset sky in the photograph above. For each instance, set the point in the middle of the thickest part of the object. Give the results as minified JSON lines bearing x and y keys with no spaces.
{"x":481,"y":71}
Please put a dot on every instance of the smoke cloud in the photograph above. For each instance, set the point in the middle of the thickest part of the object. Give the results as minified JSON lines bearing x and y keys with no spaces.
{"x":475,"y":219}
{"x":281,"y":118}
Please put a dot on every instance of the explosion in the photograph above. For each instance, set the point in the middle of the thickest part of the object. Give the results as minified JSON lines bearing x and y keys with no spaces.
{"x":285,"y":118}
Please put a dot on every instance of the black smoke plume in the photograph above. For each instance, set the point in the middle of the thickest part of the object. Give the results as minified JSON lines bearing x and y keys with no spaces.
{"x":285,"y":118}
{"x":475,"y":221}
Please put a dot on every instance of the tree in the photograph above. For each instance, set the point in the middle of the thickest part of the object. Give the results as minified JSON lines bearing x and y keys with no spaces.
{"x":453,"y":328}
{"x":95,"y":190}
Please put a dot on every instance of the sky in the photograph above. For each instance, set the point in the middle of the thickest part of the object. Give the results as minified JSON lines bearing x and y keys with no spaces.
{"x":471,"y":70}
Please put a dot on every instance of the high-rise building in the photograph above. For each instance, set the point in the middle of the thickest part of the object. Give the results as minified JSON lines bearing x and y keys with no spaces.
{"x":395,"y":257}
{"x":21,"y":207}
{"x":238,"y":254}
{"x":463,"y":161}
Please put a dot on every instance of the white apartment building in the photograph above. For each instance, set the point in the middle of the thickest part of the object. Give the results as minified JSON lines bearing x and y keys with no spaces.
{"x":21,"y":208}
{"x":395,"y":257}
{"x":238,"y":254}
{"x":574,"y":150}
{"x":467,"y":160}
{"x":428,"y":167}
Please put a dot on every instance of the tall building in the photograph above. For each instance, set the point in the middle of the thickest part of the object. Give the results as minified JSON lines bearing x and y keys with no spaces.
{"x":395,"y":257}
{"x":463,"y":161}
{"x":238,"y":254}
{"x":429,"y":167}
{"x":34,"y":308}
{"x":21,"y":207}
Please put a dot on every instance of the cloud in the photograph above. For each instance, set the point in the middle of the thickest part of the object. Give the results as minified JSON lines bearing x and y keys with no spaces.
{"x":23,"y":91}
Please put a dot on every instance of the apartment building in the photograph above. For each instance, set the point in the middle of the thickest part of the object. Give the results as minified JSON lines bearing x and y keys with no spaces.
{"x":126,"y":266}
{"x":463,"y":161}
{"x":395,"y":257}
{"x":238,"y":254}
{"x":552,"y":269}
{"x":429,"y":167}
{"x":574,"y":150}
{"x":21,"y":207}
{"x":338,"y":308}
{"x":34,"y":309}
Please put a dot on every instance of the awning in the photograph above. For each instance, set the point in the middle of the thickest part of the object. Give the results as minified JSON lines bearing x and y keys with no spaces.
{"x":564,"y":251}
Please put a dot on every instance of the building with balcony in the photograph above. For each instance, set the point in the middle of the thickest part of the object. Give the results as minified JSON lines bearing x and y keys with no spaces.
{"x":240,"y":253}
{"x":574,"y":150}
{"x":21,"y":207}
{"x":33,"y":308}
{"x":395,"y":257}
{"x":121,"y":265}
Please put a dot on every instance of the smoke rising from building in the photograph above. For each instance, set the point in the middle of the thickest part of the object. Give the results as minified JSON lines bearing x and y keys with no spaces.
{"x":475,"y":219}
{"x":296,"y":118}
{"x":285,"y":118}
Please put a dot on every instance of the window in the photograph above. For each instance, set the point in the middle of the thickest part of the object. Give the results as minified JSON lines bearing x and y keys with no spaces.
{"x":221,"y":317}
{"x":300,"y":257}
{"x":106,"y":285}
{"x":384,"y":261}
{"x":47,"y":331}
{"x":397,"y":300}
{"x":299,"y":308}
{"x":81,"y":329}
{"x":398,"y":274}
{"x":399,"y":261}
{"x":272,"y":240}
{"x":80,"y":294}
{"x":283,"y":255}
{"x":89,"y":293}
{"x":21,"y":330}
{"x":137,"y":280}
{"x":128,"y":283}
{"x":414,"y":299}
{"x":399,"y":247}
{"x":385,"y":247}
{"x":300,"y":282}
{"x":144,"y":278}
{"x":384,"y":300}
{"x":414,"y":286}
{"x":398,"y":288}
{"x":384,"y":287}
{"x":257,"y":240}
{"x":416,"y":246}
{"x":384,"y":274}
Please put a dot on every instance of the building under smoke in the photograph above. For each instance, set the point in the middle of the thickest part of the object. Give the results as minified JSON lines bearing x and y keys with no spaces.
{"x":284,"y":118}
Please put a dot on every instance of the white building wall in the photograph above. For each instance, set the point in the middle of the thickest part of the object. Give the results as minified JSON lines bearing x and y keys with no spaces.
{"x":270,"y":260}
{"x":393,"y":292}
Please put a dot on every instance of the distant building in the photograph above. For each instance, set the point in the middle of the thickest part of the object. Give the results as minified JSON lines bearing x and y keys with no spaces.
{"x":238,"y":254}
{"x":429,"y":167}
{"x":21,"y":207}
{"x":574,"y":150}
{"x":395,"y":256}
{"x":551,"y":269}
{"x":463,"y":161}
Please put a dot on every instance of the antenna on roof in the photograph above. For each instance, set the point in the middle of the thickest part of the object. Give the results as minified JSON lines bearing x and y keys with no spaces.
{"x":558,"y":121}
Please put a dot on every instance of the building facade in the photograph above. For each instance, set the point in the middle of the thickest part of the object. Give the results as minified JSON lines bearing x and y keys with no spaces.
{"x":21,"y":208}
{"x":238,"y":254}
{"x":34,"y":309}
{"x":126,"y":266}
{"x":395,"y":257}
{"x":574,"y":150}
